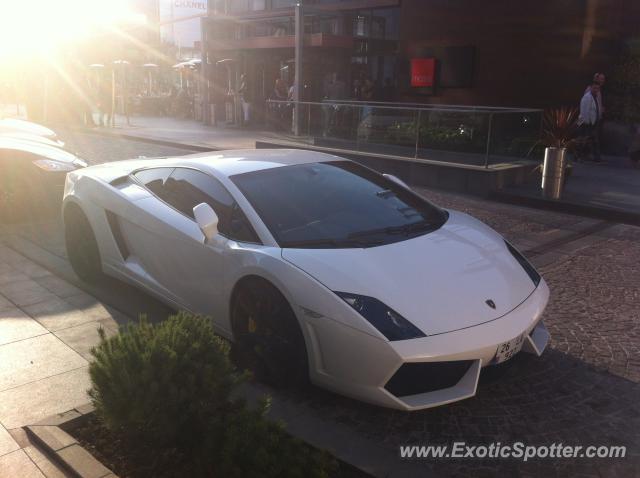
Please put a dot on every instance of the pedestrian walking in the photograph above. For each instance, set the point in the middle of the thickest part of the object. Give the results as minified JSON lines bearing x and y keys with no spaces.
{"x":588,"y":122}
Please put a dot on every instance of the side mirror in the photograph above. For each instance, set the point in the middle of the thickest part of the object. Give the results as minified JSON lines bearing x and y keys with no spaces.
{"x":207,"y":220}
{"x":396,"y":180}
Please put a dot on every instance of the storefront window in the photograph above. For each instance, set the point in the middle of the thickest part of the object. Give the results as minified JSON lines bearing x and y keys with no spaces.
{"x":284,"y":3}
{"x":376,"y":23}
{"x":274,"y":27}
{"x":238,"y":5}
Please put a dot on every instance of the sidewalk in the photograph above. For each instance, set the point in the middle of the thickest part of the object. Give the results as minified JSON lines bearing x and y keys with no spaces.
{"x":610,"y":190}
{"x":185,"y":132}
{"x":47,"y":328}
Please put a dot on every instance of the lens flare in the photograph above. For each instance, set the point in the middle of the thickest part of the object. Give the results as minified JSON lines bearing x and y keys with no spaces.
{"x":39,"y":27}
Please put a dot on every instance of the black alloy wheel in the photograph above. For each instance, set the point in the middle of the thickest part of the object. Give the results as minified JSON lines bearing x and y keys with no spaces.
{"x":268,"y":339}
{"x":81,"y":244}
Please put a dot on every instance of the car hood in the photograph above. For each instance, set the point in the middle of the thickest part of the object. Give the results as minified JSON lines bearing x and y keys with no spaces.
{"x":440,"y":281}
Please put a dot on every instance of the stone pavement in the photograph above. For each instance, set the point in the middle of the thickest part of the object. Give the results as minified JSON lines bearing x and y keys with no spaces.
{"x":47,"y":328}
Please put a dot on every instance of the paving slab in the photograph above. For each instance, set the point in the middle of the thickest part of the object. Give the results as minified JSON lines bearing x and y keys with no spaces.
{"x":16,"y":325}
{"x":58,"y":286}
{"x":35,"y":401}
{"x":5,"y":303}
{"x":9,"y":275}
{"x":82,"y":338}
{"x":7,"y":443}
{"x":32,"y":270}
{"x":18,"y":465}
{"x":25,"y":292}
{"x":34,"y":359}
{"x":57,"y":314}
{"x":11,"y":257}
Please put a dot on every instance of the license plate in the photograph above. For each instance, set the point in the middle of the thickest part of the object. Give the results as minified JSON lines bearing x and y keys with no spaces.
{"x":508,"y":349}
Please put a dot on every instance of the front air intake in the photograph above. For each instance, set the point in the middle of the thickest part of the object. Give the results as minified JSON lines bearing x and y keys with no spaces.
{"x":423,"y":377}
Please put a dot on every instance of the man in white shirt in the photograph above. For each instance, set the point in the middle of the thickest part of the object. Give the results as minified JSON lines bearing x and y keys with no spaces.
{"x":589,"y":118}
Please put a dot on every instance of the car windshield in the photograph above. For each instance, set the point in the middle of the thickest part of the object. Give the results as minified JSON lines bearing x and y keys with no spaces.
{"x":337,"y":204}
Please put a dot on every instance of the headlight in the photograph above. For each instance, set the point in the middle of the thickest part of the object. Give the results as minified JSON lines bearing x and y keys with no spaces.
{"x":526,"y":265}
{"x":388,"y":322}
{"x":54,"y":166}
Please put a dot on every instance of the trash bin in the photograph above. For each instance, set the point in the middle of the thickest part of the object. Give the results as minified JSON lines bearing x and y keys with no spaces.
{"x":555,"y":160}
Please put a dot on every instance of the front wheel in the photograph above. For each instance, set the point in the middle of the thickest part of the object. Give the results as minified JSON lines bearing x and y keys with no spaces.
{"x":81,"y":244}
{"x":268,"y":339}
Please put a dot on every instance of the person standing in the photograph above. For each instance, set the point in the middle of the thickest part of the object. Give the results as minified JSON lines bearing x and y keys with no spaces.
{"x":105,"y":103}
{"x":589,"y":117}
{"x":600,"y":79}
{"x":87,"y":103}
{"x":244,"y":91}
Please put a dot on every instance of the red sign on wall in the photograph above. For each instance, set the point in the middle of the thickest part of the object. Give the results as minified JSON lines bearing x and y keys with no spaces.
{"x":422,"y":72}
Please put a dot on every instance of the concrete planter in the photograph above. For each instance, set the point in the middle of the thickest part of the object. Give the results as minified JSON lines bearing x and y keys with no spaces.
{"x":553,"y":172}
{"x":51,"y":436}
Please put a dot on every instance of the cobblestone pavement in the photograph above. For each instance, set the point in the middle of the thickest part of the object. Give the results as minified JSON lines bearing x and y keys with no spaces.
{"x":584,"y":390}
{"x":96,"y":149}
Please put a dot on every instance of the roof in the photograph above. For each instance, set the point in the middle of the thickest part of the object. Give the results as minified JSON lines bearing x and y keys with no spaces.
{"x":231,"y":162}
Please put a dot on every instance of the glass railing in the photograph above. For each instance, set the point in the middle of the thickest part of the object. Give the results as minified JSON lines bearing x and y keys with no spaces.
{"x":480,"y":136}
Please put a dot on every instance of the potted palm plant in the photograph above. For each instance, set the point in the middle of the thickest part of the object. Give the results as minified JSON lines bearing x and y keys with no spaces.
{"x":559,"y":136}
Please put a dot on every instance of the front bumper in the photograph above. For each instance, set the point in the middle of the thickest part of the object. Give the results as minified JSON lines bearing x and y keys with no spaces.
{"x":448,"y":364}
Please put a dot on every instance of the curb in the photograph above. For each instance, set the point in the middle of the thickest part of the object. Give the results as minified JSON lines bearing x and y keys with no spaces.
{"x":50,"y":436}
{"x":144,"y":139}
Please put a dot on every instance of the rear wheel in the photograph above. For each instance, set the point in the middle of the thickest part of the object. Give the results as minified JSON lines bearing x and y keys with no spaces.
{"x":81,"y":244}
{"x":268,"y":339}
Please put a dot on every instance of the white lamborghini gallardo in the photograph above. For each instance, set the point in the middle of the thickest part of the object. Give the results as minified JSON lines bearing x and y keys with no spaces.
{"x":316,"y":267}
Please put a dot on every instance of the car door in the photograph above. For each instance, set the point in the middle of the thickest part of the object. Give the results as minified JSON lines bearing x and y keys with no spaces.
{"x":181,"y":262}
{"x":138,"y":220}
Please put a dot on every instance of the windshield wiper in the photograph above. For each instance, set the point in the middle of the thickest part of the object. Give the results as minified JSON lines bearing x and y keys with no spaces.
{"x":329,"y":243}
{"x":405,"y":229}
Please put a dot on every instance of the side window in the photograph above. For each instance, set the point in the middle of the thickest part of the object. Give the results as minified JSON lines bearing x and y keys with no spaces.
{"x":187,"y":188}
{"x":240,"y":229}
{"x":154,"y":180}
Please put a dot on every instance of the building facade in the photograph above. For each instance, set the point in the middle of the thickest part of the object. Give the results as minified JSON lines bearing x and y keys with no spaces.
{"x":469,"y":52}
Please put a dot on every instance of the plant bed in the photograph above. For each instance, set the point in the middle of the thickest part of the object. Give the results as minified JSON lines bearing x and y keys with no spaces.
{"x":111,"y":451}
{"x":168,"y":404}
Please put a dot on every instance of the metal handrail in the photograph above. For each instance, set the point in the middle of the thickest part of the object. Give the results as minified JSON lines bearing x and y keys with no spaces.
{"x":414,"y":106}
{"x":415,"y":113}
{"x":506,"y":109}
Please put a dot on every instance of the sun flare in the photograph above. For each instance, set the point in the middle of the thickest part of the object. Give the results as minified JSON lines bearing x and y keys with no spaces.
{"x":39,"y":27}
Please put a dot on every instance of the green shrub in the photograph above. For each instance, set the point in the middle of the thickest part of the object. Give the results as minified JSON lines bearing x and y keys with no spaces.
{"x":166,"y":390}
